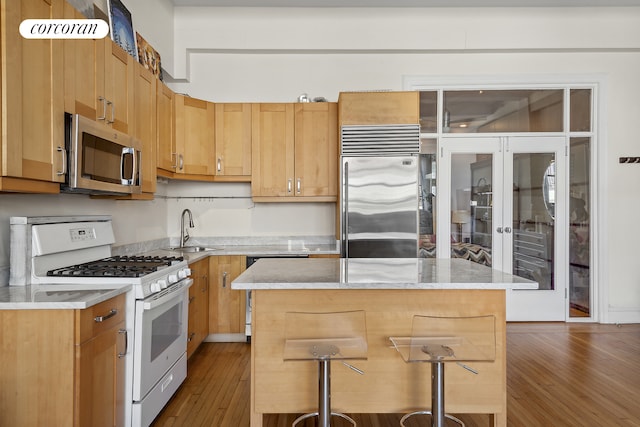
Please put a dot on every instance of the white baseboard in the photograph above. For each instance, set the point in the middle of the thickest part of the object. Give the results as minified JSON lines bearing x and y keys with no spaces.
{"x":623,"y":315}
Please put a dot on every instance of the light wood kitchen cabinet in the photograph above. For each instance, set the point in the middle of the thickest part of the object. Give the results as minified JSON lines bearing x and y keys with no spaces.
{"x":233,"y":142}
{"x":165,"y":131}
{"x":99,"y":80}
{"x":294,"y":152}
{"x":198,"y":305}
{"x":63,"y":367}
{"x":31,"y":106}
{"x":195,"y":138}
{"x":226,"y":306}
{"x":379,"y":108}
{"x":145,"y":124}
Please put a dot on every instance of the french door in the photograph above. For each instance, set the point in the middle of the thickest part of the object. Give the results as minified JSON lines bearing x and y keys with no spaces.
{"x":508,"y":210}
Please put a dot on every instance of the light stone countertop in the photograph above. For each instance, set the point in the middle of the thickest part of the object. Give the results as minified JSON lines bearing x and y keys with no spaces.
{"x":45,"y":297}
{"x":375,"y":273}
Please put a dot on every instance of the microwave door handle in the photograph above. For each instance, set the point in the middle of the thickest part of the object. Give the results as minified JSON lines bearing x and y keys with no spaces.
{"x":127,"y":151}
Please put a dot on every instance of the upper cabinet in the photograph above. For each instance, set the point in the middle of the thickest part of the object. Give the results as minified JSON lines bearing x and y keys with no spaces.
{"x":145,"y":124}
{"x":294,"y":152}
{"x":233,"y":142}
{"x":316,"y":150}
{"x":379,"y":108}
{"x":31,"y":92}
{"x":99,"y":80}
{"x":195,"y":137}
{"x":165,"y":129}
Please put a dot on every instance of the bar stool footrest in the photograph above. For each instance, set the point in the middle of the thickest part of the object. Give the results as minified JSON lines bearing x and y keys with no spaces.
{"x":315,"y":414}
{"x":407,"y":416}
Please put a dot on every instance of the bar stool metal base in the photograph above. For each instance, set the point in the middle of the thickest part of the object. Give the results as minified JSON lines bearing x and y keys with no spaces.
{"x":324,"y":413}
{"x":407,"y":416}
{"x":437,"y":413}
{"x":315,"y":414}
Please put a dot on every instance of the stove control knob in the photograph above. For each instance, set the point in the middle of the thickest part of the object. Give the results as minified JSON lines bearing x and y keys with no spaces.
{"x":163,"y":283}
{"x":182,"y":274}
{"x":173,"y":278}
{"x":155,"y":287}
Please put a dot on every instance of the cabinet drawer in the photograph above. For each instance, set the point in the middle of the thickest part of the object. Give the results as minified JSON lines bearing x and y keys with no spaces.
{"x":99,"y":318}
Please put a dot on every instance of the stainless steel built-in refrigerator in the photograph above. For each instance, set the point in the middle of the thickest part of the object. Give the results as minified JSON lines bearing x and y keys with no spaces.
{"x":379,"y":194}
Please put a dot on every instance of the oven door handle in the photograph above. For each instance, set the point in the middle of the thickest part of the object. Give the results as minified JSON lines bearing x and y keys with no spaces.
{"x":177,"y":287}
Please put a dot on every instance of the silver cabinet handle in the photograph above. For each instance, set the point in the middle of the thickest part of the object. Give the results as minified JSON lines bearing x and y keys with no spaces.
{"x":112,"y":112}
{"x":180,"y":162}
{"x":64,"y":161}
{"x":507,"y":229}
{"x":175,"y":165}
{"x":126,"y":342}
{"x":219,"y":166}
{"x":298,"y":185}
{"x":191,"y":335}
{"x":499,"y":229}
{"x":224,"y":279}
{"x":100,"y":319}
{"x":289,"y":185}
{"x":104,"y":108}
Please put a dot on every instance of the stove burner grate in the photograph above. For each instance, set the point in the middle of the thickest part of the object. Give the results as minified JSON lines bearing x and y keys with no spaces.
{"x":117,"y":266}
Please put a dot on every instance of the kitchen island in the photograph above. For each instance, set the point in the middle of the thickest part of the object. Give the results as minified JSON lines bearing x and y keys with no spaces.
{"x":391,"y":291}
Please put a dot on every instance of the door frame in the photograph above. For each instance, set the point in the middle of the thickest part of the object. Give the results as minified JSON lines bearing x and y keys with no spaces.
{"x":502,"y":150}
{"x":599,"y":288}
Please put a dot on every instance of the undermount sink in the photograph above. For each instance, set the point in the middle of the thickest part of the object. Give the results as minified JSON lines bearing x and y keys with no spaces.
{"x":190,"y":249}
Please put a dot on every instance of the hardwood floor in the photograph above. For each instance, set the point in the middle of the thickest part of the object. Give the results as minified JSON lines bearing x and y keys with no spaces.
{"x":558,"y":374}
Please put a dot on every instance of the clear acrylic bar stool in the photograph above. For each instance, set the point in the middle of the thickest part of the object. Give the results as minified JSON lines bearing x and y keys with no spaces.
{"x":323,"y":337}
{"x":440,"y":340}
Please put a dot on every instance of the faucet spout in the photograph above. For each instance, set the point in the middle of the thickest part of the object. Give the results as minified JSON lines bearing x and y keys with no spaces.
{"x":184,"y":234}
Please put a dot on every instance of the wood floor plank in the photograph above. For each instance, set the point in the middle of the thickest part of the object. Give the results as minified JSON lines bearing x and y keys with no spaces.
{"x":558,"y":374}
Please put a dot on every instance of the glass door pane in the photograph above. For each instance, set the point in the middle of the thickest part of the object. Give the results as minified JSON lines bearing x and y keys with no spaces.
{"x":472,"y":176}
{"x":533,"y":217}
{"x":535,"y":225}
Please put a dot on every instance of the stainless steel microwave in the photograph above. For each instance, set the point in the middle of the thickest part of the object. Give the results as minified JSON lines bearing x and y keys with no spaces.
{"x":100,"y":160}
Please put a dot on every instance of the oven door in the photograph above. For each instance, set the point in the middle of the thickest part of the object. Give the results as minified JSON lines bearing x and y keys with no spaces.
{"x":160,"y":332}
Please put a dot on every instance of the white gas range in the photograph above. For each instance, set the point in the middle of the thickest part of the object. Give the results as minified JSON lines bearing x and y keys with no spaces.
{"x":75,"y":253}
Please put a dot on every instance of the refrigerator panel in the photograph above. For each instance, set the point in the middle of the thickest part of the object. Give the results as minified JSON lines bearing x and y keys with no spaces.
{"x":380,"y":207}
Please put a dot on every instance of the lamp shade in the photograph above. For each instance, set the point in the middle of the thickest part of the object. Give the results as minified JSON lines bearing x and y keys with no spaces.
{"x":460,"y":217}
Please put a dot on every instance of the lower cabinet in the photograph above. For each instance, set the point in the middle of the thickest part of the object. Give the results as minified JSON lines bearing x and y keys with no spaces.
{"x":63,"y":367}
{"x":226,"y":306}
{"x":198,"y":305}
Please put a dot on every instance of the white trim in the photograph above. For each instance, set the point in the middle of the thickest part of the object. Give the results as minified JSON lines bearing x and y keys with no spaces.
{"x":597,"y":82}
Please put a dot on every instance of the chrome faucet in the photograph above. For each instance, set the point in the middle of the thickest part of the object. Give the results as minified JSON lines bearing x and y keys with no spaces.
{"x":184,"y":234}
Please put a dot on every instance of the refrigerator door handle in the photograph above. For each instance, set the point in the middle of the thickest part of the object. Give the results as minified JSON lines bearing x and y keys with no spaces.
{"x":345,"y":218}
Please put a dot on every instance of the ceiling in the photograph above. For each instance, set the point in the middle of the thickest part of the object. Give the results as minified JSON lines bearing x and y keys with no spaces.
{"x":407,"y":3}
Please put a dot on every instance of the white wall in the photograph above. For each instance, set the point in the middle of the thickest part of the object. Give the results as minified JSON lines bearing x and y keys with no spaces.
{"x":256,"y":55}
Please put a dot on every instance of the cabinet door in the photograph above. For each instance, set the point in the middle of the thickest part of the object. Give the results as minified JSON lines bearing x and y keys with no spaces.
{"x":198,"y":305}
{"x":195,"y":137}
{"x":233,"y":141}
{"x":226,"y":306}
{"x":32,"y":98}
{"x":118,"y":87}
{"x":316,"y":150}
{"x":84,"y":73}
{"x":145,"y":124}
{"x":379,"y":108}
{"x":272,"y":150}
{"x":101,"y":343}
{"x":100,"y":379}
{"x":165,"y":134}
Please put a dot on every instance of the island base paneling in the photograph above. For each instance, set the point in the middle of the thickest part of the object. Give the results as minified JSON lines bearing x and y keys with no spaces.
{"x":389,"y":385}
